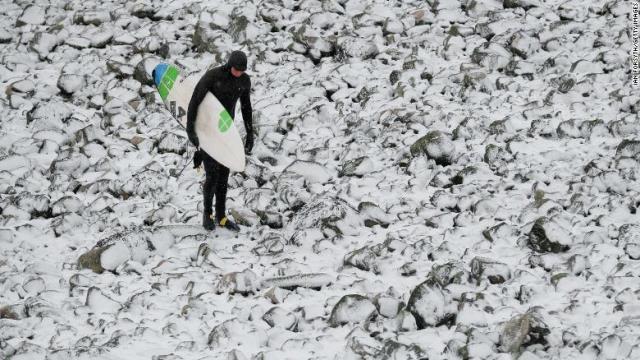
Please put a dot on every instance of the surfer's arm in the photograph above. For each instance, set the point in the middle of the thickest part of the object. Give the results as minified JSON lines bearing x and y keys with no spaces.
{"x":196,"y":98}
{"x":247,"y":117}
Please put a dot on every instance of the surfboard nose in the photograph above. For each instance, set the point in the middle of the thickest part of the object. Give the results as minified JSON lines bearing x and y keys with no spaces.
{"x":158,"y":72}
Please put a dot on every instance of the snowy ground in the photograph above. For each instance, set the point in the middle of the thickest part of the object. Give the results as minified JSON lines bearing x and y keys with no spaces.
{"x":431,"y":179}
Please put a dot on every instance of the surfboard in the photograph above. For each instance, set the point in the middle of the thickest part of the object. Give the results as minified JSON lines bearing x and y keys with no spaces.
{"x":217,"y":133}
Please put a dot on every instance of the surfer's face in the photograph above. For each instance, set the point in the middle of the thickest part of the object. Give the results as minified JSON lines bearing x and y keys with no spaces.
{"x":236,"y":73}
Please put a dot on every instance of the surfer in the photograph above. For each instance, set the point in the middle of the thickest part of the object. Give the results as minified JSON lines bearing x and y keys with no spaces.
{"x":227,"y":83}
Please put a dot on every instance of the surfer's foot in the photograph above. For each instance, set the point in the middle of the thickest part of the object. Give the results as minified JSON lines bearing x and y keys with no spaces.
{"x":207,"y":221}
{"x":228,"y":224}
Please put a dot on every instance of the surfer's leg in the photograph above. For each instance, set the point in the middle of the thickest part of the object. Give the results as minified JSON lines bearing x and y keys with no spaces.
{"x":208,"y":191}
{"x":222,"y":177}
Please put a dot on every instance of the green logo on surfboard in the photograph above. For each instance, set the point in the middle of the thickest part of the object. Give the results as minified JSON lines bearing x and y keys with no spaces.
{"x":166,"y":84}
{"x":225,"y":121}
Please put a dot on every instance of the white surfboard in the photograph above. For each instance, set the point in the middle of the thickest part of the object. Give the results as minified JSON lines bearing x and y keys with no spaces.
{"x":217,"y":133}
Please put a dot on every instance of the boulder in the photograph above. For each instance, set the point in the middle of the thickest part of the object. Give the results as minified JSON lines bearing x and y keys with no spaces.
{"x":352,"y":309}
{"x":548,"y":236}
{"x":431,"y":305}
{"x":435,"y":145}
{"x":245,"y":282}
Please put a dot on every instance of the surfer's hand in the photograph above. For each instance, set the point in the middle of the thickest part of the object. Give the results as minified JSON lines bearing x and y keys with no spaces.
{"x":194,"y":141}
{"x":197,"y":159}
{"x":248,"y":145}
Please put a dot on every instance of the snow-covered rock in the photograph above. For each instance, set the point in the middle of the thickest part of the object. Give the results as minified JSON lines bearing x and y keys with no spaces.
{"x":352,"y":309}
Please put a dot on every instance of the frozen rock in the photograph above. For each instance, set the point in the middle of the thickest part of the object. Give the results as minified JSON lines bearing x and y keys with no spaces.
{"x":243,"y":30}
{"x":496,"y":157}
{"x":109,"y":253}
{"x":357,"y":167}
{"x":100,"y":38}
{"x":13,"y":312}
{"x":496,"y":272}
{"x":311,"y":171}
{"x":318,"y":46}
{"x":36,"y":205}
{"x":564,"y":83}
{"x":548,"y":236}
{"x":124,"y":39}
{"x":373,"y":215}
{"x":325,"y":211}
{"x":470,"y":174}
{"x":49,"y":115}
{"x":271,"y":219}
{"x":276,"y":295}
{"x":233,"y":332}
{"x":435,"y":145}
{"x":448,"y":273}
{"x":32,"y":15}
{"x":393,"y":350}
{"x":585,"y":67}
{"x":524,"y":45}
{"x":271,"y":243}
{"x":431,"y":305}
{"x":492,"y":56}
{"x":43,"y":43}
{"x":71,"y":83}
{"x":568,"y":128}
{"x":244,"y":282}
{"x":628,"y":148}
{"x":392,"y":26}
{"x":317,"y":280}
{"x":629,"y":240}
{"x":365,"y":258}
{"x":23,"y":86}
{"x":235,"y":355}
{"x":101,"y":303}
{"x":6,"y":36}
{"x":388,"y":306}
{"x":172,"y":143}
{"x":143,"y":10}
{"x":142,"y":70}
{"x":525,"y":4}
{"x":73,"y":164}
{"x":78,"y":42}
{"x":209,"y":40}
{"x":92,"y":259}
{"x":280,"y":318}
{"x":523,"y":330}
{"x":354,"y":47}
{"x":352,"y":309}
{"x":88,"y":17}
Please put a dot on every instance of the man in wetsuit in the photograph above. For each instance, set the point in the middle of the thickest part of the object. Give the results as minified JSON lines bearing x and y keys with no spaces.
{"x":227,"y":83}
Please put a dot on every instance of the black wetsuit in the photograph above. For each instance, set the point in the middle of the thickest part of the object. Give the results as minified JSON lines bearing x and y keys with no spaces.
{"x":227,"y":89}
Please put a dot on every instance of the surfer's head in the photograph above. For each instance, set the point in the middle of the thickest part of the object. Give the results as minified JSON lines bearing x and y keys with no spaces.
{"x":237,"y":63}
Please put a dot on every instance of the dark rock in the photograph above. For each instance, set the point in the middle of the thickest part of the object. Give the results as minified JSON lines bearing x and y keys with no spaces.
{"x":496,"y":272}
{"x":430,"y":305}
{"x":272,"y":219}
{"x":364,"y":258}
{"x":522,"y":331}
{"x":311,"y":281}
{"x":435,"y":145}
{"x":628,"y":148}
{"x":352,"y":309}
{"x":393,"y":350}
{"x":539,"y":240}
{"x":142,"y":71}
{"x":394,"y":76}
{"x":565,"y":83}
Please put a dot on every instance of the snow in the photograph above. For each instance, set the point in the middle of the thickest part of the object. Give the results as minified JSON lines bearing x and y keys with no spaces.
{"x":424,"y":174}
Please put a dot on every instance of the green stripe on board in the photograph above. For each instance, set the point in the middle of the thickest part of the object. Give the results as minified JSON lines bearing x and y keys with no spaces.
{"x":167,"y":81}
